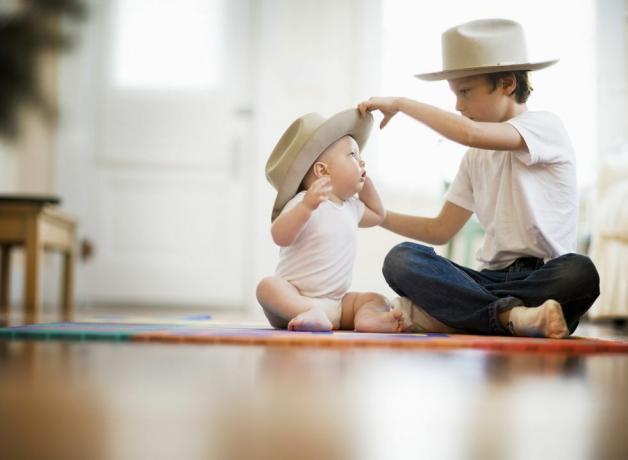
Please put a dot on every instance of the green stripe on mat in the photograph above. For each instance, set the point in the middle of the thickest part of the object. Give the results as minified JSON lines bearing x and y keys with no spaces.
{"x":78,"y":331}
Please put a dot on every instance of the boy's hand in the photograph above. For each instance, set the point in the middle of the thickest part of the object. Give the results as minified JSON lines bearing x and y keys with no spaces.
{"x":389,"y":106}
{"x":318,"y":192}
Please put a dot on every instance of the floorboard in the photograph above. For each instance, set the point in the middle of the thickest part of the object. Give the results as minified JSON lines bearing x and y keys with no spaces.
{"x":107,"y":400}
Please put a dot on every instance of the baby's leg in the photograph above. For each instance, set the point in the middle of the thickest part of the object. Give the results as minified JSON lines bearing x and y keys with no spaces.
{"x":370,"y":313}
{"x":286,"y":308}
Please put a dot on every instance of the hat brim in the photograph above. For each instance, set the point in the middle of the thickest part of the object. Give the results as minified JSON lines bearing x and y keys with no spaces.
{"x":346,"y":123}
{"x":469,"y":72}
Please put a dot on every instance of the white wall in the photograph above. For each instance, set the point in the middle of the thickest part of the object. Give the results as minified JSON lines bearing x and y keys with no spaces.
{"x":612,"y":76}
{"x":8,"y":167}
{"x":624,"y":52}
{"x":27,"y":163}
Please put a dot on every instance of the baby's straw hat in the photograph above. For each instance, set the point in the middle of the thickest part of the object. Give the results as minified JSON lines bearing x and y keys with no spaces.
{"x":484,"y":46}
{"x":299,"y":147}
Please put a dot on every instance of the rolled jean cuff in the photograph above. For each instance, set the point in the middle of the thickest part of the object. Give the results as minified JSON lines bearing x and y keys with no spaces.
{"x":500,"y":306}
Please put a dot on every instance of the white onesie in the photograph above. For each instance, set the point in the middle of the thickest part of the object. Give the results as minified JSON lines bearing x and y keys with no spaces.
{"x":319,"y":263}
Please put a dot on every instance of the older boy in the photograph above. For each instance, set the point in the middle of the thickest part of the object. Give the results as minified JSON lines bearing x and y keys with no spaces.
{"x":317,"y":170}
{"x":519,"y":177}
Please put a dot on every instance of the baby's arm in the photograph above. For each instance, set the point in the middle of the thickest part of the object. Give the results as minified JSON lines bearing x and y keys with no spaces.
{"x":374,"y":213}
{"x":478,"y":134}
{"x":289,"y":224}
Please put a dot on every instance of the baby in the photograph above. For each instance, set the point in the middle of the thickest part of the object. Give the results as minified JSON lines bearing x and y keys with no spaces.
{"x":317,"y":171}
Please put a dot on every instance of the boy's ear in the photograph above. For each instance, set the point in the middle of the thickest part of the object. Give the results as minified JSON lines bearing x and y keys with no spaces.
{"x":509,"y":83}
{"x":320,"y":169}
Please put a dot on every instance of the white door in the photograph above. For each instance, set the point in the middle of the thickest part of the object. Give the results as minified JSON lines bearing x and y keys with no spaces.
{"x":170,"y":119}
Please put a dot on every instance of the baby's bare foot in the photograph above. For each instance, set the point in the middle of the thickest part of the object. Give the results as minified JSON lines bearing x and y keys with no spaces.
{"x":417,"y":320}
{"x":311,"y":320}
{"x":378,"y":321}
{"x":546,"y":320}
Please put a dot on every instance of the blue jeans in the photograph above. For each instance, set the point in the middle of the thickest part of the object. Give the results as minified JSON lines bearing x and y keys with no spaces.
{"x":471,"y":300}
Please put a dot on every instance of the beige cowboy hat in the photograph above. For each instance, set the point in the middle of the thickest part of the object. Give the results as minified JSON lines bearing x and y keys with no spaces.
{"x":299,"y":147}
{"x":484,"y":46}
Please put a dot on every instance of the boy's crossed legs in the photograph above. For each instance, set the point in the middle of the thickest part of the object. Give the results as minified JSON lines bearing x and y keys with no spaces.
{"x":525,"y":301}
{"x":285,"y":307}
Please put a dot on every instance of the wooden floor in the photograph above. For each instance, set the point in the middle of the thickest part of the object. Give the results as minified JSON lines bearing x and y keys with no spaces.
{"x":104,"y":400}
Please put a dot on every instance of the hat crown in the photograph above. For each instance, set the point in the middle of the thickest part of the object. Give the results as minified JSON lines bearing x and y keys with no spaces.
{"x":302,"y":143}
{"x":288,"y":147}
{"x":482,"y":43}
{"x":484,"y":46}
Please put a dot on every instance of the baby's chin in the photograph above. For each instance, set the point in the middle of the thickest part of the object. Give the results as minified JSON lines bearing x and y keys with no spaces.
{"x":357,"y":189}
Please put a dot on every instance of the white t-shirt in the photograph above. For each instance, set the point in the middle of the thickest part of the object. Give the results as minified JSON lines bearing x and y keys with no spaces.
{"x":320,"y":261}
{"x":526,"y":201}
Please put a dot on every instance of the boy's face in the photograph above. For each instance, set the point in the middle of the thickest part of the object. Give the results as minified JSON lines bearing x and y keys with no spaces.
{"x":345,"y":167}
{"x":475,"y":99}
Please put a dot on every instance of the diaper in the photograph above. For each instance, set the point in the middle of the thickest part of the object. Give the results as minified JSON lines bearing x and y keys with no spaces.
{"x":331,"y":307}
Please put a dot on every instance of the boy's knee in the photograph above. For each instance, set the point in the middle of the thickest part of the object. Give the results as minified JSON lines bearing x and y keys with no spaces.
{"x":578,"y":273}
{"x":401,"y":256}
{"x":394,"y":262}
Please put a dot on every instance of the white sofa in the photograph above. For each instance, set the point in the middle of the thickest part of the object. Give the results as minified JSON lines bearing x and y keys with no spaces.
{"x":609,"y":241}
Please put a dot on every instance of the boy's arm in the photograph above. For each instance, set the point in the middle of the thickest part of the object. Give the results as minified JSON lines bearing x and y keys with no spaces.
{"x":437,"y":230}
{"x":483,"y":135}
{"x":374,"y":211}
{"x":289,"y":224}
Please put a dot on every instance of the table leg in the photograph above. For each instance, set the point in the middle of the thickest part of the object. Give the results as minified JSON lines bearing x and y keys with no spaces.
{"x":67,"y":294}
{"x":5,"y":277}
{"x":33,"y":257}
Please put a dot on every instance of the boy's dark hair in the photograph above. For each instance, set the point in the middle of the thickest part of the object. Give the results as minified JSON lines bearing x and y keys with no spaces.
{"x":523,"y":89}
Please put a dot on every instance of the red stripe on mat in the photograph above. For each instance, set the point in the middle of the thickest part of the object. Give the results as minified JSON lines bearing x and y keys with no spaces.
{"x":352,"y":339}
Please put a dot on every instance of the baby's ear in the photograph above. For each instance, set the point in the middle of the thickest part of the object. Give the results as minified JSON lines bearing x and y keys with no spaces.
{"x":320,"y":169}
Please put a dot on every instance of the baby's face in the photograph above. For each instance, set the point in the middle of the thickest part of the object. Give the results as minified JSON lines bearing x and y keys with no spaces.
{"x":345,"y":167}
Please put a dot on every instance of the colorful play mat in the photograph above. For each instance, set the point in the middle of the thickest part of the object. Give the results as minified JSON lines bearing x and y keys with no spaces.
{"x":215,"y":332}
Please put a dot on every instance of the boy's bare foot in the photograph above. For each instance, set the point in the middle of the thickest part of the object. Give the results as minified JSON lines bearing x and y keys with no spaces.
{"x":311,"y":320}
{"x":378,"y":321}
{"x":546,"y":320}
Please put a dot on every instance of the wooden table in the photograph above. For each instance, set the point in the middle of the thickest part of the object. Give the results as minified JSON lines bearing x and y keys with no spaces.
{"x":37,"y":226}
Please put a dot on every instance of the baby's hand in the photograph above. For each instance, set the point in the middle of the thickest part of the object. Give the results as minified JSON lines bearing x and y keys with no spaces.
{"x":318,"y":192}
